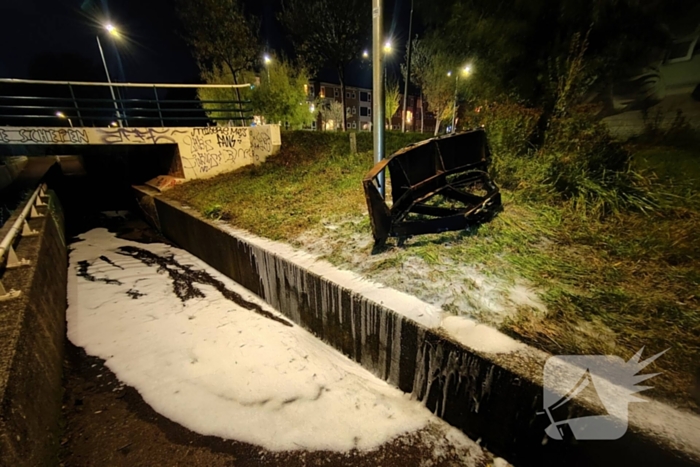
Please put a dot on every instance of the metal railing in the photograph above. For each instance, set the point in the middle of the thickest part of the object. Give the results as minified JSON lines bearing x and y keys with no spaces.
{"x":20,"y":228}
{"x":55,"y":103}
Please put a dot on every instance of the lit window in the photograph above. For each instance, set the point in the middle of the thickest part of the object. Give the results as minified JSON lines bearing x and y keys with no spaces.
{"x":322,"y":94}
{"x":306,"y":89}
{"x":409,"y":116}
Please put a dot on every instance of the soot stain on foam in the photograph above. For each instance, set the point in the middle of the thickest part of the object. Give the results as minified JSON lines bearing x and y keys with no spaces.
{"x":184,"y":278}
{"x":83,"y":267}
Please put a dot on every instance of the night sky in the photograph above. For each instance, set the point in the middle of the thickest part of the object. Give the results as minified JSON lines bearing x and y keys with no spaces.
{"x":152,"y":49}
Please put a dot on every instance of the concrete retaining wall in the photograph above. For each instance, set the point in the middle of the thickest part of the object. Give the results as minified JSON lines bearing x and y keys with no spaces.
{"x":32,"y":330}
{"x":201,"y":152}
{"x":490,"y":396}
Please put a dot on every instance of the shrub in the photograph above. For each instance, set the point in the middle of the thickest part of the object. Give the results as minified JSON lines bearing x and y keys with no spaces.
{"x":579,"y":165}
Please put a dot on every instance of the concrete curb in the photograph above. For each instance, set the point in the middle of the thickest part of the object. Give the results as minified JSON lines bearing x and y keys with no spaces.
{"x":490,"y":396}
{"x":32,"y":331}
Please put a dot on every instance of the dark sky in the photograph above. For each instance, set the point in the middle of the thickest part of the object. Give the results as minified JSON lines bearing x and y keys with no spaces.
{"x":152,"y":50}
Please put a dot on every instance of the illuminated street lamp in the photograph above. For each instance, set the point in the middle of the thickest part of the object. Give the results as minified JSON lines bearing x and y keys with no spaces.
{"x":267,"y":60}
{"x":365,"y":53}
{"x":466,"y":71}
{"x":114,"y":32}
{"x":62,"y":115}
{"x":111,"y":29}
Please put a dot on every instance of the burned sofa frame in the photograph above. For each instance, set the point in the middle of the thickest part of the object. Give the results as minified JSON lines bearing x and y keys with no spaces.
{"x":437,"y":185}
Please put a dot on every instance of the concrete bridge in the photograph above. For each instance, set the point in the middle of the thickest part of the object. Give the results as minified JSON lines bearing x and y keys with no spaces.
{"x":189,"y":153}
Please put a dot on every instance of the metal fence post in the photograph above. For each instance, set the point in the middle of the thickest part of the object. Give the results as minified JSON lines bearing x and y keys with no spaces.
{"x":75,"y":104}
{"x":160,"y":114}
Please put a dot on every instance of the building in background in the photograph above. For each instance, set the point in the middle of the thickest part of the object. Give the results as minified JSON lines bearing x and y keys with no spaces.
{"x":358,"y":109}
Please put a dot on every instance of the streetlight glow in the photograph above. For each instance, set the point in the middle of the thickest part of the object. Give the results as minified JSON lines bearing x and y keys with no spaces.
{"x":467,"y":69}
{"x":111,"y":29}
{"x":449,"y":73}
{"x":387,"y":46}
{"x":365,"y":53}
{"x":60,"y":115}
{"x":267,"y":59}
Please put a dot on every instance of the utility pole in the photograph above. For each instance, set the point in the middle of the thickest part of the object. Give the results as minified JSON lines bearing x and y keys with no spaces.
{"x":408,"y":71}
{"x":378,"y":87}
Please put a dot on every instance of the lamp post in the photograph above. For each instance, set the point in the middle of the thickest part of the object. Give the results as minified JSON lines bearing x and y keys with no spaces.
{"x":466,"y":71}
{"x":267,"y":60}
{"x":113,"y":31}
{"x":408,"y":72}
{"x":62,"y":115}
{"x":378,"y":87}
{"x":387,"y":51}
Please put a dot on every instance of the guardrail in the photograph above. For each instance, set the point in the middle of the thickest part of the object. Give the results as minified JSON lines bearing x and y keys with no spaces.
{"x":20,"y":228}
{"x":89,"y":104}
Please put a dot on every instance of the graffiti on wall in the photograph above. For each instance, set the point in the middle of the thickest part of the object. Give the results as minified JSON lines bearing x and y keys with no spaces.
{"x":141,"y":135}
{"x":212,"y":147}
{"x":202,"y":151}
{"x":44,"y":136}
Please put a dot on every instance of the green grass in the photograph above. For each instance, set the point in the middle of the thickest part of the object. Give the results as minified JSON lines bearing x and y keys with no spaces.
{"x":313,"y":177}
{"x":611,"y":285}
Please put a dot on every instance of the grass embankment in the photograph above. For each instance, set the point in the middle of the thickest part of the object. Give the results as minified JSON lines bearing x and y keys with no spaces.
{"x":610,"y":284}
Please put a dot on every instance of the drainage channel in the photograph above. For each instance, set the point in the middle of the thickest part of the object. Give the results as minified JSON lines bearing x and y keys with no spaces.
{"x":169,"y":362}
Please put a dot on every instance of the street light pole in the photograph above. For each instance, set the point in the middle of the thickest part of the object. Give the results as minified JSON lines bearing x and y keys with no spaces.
{"x":109,"y":80}
{"x":408,"y":72}
{"x":267,"y":60}
{"x":466,"y":70}
{"x":454,"y":106}
{"x":378,"y":88}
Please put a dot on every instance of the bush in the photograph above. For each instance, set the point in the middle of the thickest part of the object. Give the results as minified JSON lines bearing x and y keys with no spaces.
{"x":579,"y":164}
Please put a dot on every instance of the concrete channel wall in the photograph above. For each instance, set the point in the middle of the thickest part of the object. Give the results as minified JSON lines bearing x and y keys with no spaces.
{"x":492,"y":397}
{"x":32,"y":332}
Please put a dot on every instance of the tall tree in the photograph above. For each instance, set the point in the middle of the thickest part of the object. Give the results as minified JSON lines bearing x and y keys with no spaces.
{"x":392,"y":97}
{"x":328,"y":33}
{"x":220,"y":35}
{"x":429,"y":71}
{"x":519,"y":46}
{"x":332,"y":114}
{"x":420,"y":63}
{"x":280,"y":93}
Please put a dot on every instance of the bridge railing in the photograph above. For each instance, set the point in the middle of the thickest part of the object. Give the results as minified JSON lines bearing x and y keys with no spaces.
{"x":58,"y":103}
{"x":20,"y":228}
